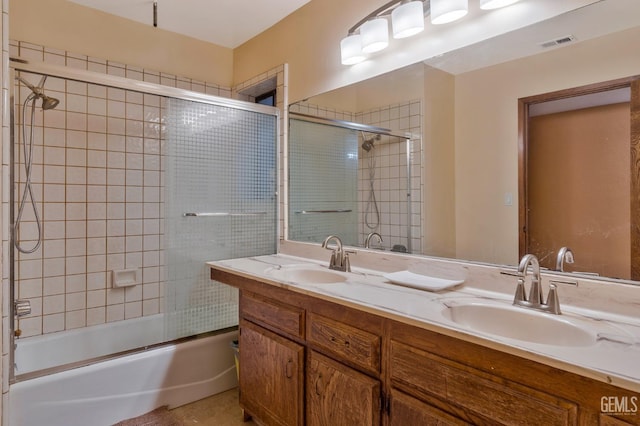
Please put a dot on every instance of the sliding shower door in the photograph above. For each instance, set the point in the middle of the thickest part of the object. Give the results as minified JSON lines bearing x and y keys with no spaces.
{"x":323,"y":182}
{"x":136,"y":186}
{"x":220,"y":203}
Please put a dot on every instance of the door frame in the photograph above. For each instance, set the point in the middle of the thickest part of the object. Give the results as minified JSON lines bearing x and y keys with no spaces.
{"x":523,"y":142}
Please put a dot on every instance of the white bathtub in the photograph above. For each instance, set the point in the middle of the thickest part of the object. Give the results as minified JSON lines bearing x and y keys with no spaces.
{"x":66,"y":347}
{"x":109,"y":391}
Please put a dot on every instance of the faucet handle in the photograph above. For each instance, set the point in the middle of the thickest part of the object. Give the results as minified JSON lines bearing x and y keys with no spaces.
{"x":520,"y":295}
{"x":553,"y":302}
{"x":346,"y":263}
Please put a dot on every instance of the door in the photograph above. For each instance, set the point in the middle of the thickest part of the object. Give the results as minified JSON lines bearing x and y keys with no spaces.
{"x":579,"y":177}
{"x":340,"y":396}
{"x":271,"y":376}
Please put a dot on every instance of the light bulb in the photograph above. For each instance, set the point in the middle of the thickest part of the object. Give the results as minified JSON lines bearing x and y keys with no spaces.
{"x":495,"y":4}
{"x":407,"y":19}
{"x":351,"y":50}
{"x":375,"y":35}
{"x":445,"y":11}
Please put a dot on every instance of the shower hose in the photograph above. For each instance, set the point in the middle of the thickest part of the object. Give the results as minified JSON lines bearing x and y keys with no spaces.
{"x":27,"y":150}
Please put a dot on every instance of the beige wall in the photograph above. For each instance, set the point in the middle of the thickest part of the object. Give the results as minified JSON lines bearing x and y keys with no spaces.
{"x":486,"y":131}
{"x":309,"y":39}
{"x":68,"y":26}
{"x":438,"y":221}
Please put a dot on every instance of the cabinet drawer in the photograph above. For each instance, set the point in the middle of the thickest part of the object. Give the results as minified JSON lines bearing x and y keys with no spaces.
{"x":278,"y":316}
{"x":351,"y":344}
{"x":478,"y":394}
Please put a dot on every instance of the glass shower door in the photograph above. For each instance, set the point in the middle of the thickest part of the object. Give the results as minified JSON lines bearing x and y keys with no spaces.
{"x":221,"y":183}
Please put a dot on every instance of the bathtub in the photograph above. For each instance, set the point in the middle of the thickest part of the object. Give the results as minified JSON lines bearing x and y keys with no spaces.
{"x":106,"y":392}
{"x":66,"y":347}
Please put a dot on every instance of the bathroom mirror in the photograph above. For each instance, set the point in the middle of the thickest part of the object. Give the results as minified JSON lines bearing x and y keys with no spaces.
{"x":470,"y":136}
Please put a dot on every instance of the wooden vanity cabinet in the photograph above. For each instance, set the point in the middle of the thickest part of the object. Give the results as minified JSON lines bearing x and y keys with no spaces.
{"x":305,"y":360}
{"x":339,"y":395}
{"x":299,"y":366}
{"x":271,"y":376}
{"x":447,"y":381}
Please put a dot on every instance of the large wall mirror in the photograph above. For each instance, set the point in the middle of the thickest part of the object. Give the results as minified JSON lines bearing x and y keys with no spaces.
{"x":467,"y":132}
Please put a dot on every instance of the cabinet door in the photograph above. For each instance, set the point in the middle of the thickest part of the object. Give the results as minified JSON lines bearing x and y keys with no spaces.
{"x":271,"y":376}
{"x":338,"y":395}
{"x":406,"y":410}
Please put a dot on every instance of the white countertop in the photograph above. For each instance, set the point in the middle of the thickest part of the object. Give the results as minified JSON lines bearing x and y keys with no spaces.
{"x":614,"y":357}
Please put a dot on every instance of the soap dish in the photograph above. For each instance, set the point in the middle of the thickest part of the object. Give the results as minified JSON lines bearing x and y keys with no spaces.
{"x":422,"y":282}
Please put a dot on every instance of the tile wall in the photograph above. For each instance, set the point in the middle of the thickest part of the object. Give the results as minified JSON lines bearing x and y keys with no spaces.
{"x":4,"y":221}
{"x":390,"y":180}
{"x":97,"y":171}
{"x":390,"y":165}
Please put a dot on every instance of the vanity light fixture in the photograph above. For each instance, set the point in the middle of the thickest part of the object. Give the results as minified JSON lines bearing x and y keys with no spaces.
{"x":375,"y":35}
{"x":494,"y":4}
{"x":371,"y":33}
{"x":351,"y":50}
{"x":407,"y":19}
{"x":445,"y":11}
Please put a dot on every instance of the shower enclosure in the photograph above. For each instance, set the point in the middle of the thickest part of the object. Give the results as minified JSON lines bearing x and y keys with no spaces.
{"x":120,"y":192}
{"x":349,"y":179}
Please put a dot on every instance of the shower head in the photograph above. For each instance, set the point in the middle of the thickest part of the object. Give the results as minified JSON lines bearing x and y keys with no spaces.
{"x":368,"y":143}
{"x":47,"y":101}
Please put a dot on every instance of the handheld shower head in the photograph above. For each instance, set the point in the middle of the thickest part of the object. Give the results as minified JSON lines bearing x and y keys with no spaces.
{"x":368,"y":143}
{"x":47,"y":101}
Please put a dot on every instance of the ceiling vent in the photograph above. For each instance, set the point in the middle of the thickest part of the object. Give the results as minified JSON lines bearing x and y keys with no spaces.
{"x":558,"y":41}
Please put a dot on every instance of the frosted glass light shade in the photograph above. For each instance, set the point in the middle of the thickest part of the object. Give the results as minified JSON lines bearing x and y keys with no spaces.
{"x":445,"y":11}
{"x":375,"y":35}
{"x":407,"y":19}
{"x":351,"y":50}
{"x":495,"y":4}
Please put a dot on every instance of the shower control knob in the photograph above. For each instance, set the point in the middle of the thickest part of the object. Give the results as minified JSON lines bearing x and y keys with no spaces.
{"x":22,"y":308}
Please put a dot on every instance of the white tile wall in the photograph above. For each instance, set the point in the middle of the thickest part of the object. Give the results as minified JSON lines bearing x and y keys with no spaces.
{"x":97,"y":174}
{"x":390,"y":161}
{"x":390,"y":181}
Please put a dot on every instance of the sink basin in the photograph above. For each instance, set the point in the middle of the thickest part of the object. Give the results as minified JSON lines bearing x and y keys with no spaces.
{"x":521,"y":324}
{"x":307,"y":274}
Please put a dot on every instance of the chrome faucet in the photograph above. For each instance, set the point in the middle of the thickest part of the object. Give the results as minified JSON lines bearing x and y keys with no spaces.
{"x":339,"y":258}
{"x":564,"y":255}
{"x":535,"y":299}
{"x":367,"y":241}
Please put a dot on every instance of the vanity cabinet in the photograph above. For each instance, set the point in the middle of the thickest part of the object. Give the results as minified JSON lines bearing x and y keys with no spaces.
{"x":308,"y":360}
{"x":339,"y":395}
{"x":406,"y":410}
{"x":271,"y":376}
{"x":475,"y":396}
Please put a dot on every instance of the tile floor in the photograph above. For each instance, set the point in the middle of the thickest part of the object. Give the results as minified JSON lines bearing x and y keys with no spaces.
{"x":217,"y":410}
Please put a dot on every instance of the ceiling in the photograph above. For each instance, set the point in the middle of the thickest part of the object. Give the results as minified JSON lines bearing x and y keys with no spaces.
{"x":595,"y":20}
{"x":227,"y":23}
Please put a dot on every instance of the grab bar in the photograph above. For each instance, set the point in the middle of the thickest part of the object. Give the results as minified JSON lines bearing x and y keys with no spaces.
{"x":222,"y":214}
{"x":323,"y":211}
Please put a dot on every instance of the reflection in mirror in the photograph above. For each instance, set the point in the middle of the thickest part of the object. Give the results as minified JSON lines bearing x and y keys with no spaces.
{"x":578,"y":176}
{"x":351,"y":180}
{"x":469,"y":187}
